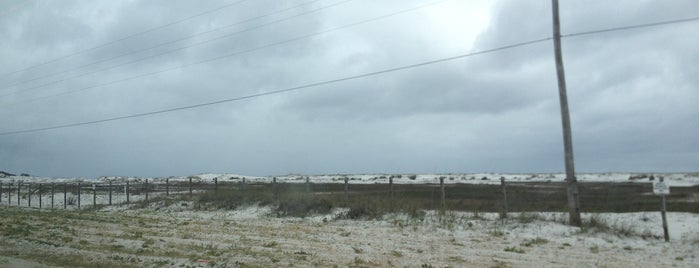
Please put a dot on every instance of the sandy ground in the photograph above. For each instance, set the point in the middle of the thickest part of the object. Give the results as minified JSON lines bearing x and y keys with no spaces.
{"x":10,"y":262}
{"x":177,"y":236}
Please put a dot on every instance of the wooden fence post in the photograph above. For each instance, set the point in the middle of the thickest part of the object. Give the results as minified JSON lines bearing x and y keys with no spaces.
{"x":167,"y":186}
{"x":346,"y":192}
{"x":215,"y":184}
{"x":126,"y":191}
{"x":503,"y":184}
{"x":79,"y":186}
{"x":243,"y":183}
{"x":53,"y":192}
{"x":274,"y":188}
{"x":40,"y":196}
{"x":308,"y":184}
{"x":29,"y":195}
{"x":390,"y":186}
{"x":19,"y":194}
{"x":663,"y":213}
{"x":94,"y":194}
{"x":441,"y":186}
{"x":146,"y":184}
{"x":65,"y":195}
{"x":110,"y":192}
{"x":190,"y":187}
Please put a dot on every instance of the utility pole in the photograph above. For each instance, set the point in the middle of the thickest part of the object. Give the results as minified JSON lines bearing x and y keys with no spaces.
{"x":571,"y":181}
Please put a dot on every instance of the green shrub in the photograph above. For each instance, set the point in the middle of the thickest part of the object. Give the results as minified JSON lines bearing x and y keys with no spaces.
{"x":535,"y":241}
{"x":514,"y":249}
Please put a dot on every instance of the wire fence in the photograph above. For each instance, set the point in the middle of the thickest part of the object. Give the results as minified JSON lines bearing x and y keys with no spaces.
{"x":505,"y":197}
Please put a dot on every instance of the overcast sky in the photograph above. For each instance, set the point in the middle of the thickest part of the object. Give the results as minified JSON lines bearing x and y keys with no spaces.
{"x":634,"y":94}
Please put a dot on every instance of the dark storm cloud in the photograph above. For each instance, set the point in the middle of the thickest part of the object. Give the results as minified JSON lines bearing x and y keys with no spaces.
{"x":632,"y":93}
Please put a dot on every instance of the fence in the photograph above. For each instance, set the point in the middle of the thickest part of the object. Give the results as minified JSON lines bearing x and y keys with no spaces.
{"x":503,"y":197}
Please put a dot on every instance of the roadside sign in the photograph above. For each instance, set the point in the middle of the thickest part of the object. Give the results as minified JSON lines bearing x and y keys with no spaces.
{"x":661,"y":188}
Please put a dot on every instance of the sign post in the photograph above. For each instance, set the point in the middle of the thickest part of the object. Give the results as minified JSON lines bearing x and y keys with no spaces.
{"x":661,"y":188}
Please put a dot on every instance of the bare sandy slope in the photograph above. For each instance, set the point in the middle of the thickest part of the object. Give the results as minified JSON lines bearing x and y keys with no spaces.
{"x":251,"y":237}
{"x":10,"y":262}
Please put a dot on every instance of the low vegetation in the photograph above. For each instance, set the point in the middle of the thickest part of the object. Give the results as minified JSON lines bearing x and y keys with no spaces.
{"x":147,"y":239}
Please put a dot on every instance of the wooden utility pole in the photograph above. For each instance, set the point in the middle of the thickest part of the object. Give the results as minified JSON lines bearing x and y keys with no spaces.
{"x":571,"y":181}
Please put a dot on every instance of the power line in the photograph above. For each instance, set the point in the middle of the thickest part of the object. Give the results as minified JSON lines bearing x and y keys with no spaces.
{"x":180,"y":48}
{"x":321,"y":83}
{"x":159,"y":45}
{"x":126,"y":37}
{"x":632,"y":27}
{"x":296,"y":88}
{"x":231,"y":54}
{"x":274,"y":44}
